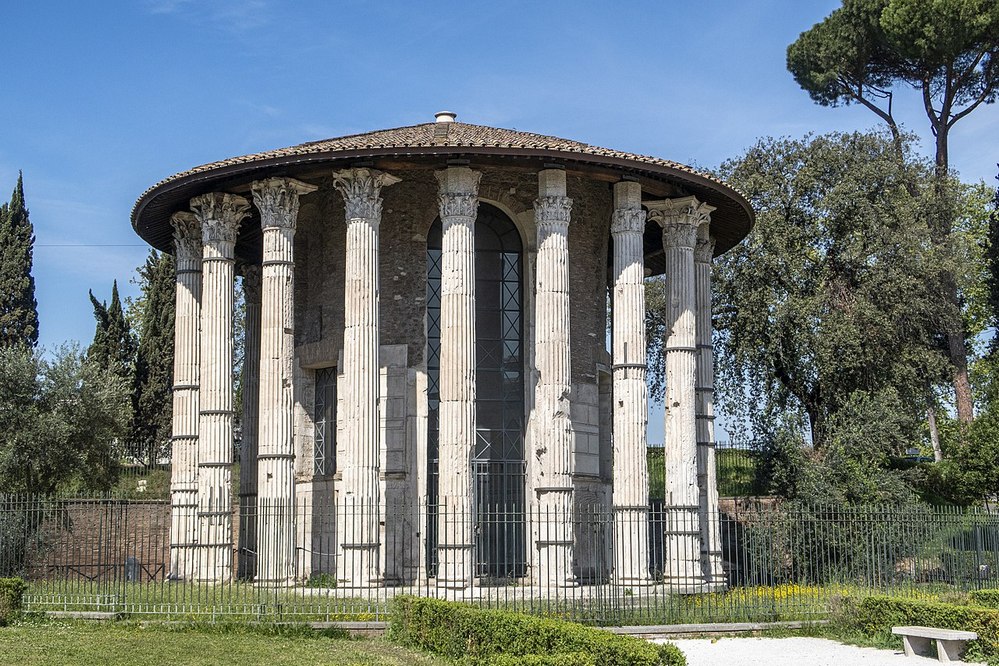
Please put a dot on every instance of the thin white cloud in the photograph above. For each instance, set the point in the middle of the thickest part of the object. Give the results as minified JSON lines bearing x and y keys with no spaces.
{"x":166,"y":6}
{"x":230,"y":15}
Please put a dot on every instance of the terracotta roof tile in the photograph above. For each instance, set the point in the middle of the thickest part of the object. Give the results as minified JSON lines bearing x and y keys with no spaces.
{"x":423,"y":135}
{"x":150,"y":215}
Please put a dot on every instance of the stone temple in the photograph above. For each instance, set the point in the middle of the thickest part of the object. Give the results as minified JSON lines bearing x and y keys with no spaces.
{"x":444,"y":375}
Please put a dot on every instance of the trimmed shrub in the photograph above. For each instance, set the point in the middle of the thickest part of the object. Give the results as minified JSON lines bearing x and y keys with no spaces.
{"x":563,"y":659}
{"x":987,"y":598}
{"x":879,"y":614}
{"x":11,"y":598}
{"x":497,"y":638}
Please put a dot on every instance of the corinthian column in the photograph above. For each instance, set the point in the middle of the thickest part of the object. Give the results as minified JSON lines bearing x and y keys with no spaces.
{"x":251,"y":410}
{"x":220,"y":215}
{"x":707,"y":479}
{"x":360,"y":511}
{"x":679,"y":219}
{"x":277,"y":201}
{"x":184,"y":455}
{"x":551,"y":448}
{"x":631,"y":474}
{"x":459,"y":202}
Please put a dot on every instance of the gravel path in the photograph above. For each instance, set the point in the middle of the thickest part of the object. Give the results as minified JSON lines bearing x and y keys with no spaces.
{"x":787,"y":652}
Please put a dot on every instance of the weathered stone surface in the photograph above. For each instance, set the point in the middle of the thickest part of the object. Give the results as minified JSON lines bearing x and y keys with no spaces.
{"x":184,"y":468}
{"x":552,"y":458}
{"x":360,"y":462}
{"x":277,"y":199}
{"x":631,"y":476}
{"x":458,"y":201}
{"x":246,"y":565}
{"x":220,"y":215}
{"x":707,"y":480}
{"x":679,"y":219}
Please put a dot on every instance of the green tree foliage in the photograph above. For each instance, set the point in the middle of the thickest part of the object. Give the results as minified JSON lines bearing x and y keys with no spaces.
{"x":948,"y":51}
{"x":991,"y":250}
{"x":153,"y":315}
{"x":18,"y":308}
{"x":113,"y":347}
{"x":970,"y":473}
{"x":59,"y":422}
{"x":826,"y":314}
{"x":945,"y":49}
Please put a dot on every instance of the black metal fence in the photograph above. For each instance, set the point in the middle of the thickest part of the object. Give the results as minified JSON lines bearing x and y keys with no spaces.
{"x":736,"y":470}
{"x":777,"y":560}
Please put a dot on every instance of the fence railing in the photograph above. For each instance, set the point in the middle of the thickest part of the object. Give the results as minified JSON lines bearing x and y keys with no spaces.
{"x":777,"y":560}
{"x":736,"y":470}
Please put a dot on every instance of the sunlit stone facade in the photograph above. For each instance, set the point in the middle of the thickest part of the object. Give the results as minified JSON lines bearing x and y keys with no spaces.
{"x":446,"y":362}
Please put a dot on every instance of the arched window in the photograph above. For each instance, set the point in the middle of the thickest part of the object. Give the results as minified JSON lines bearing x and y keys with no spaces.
{"x":498,"y":460}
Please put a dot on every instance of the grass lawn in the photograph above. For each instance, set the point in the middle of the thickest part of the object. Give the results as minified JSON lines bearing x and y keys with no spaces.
{"x":76,"y":643}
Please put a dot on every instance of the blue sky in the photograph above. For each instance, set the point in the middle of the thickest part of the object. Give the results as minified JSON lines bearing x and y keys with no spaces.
{"x":103,"y":99}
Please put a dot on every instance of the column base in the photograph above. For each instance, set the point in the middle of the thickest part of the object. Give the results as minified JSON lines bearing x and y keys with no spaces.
{"x":714,"y":571}
{"x":633,"y":581}
{"x":214,"y":563}
{"x":689,"y":585}
{"x":359,"y":566}
{"x":554,"y":565}
{"x":631,"y":547}
{"x":683,"y":561}
{"x":454,"y":566}
{"x":275,"y":582}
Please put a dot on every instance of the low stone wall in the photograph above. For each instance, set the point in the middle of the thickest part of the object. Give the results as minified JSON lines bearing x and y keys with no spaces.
{"x":100,"y":540}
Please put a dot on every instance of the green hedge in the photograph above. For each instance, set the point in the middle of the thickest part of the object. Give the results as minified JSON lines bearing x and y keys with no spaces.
{"x":500,"y":638}
{"x":11,"y":598}
{"x":879,"y":614}
{"x":988,"y":598}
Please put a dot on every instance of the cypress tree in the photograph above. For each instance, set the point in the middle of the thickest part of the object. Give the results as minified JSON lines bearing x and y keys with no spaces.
{"x":113,"y":348}
{"x":18,"y":307}
{"x":153,"y":315}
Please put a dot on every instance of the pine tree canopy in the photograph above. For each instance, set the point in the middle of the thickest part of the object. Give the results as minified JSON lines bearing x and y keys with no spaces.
{"x":18,"y":307}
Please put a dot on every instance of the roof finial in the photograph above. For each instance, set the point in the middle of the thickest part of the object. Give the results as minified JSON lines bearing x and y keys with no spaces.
{"x":445,"y":116}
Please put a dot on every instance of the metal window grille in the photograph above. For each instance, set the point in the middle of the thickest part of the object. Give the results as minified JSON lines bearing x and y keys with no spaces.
{"x":324,"y":442}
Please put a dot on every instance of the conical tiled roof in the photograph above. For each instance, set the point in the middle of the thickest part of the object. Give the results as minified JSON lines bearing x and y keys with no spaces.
{"x":150,"y":216}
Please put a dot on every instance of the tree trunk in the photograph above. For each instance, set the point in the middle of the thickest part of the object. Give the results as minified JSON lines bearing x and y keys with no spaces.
{"x":959,"y":361}
{"x":931,"y":420}
{"x":957,"y":347}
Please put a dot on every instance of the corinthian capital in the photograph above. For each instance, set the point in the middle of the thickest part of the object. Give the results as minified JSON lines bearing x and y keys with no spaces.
{"x":683,"y":210}
{"x":220,"y":214}
{"x":277,"y":200}
{"x":552,"y":210}
{"x":679,"y":234}
{"x":186,"y":236}
{"x":705,"y":248}
{"x":362,"y":192}
{"x":679,"y":219}
{"x":627,"y":220}
{"x":458,"y":192}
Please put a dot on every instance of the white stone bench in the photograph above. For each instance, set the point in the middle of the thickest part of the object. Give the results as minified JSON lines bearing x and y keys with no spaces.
{"x":950,"y":643}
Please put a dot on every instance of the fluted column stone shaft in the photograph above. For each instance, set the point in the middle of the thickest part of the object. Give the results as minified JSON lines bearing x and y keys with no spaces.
{"x":707,"y":472}
{"x":458,"y":203}
{"x":630,"y":472}
{"x":184,"y":440}
{"x":277,"y":199}
{"x":679,"y":219}
{"x":248,"y":443}
{"x":360,"y":505}
{"x":552,"y":463}
{"x":220,"y":216}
